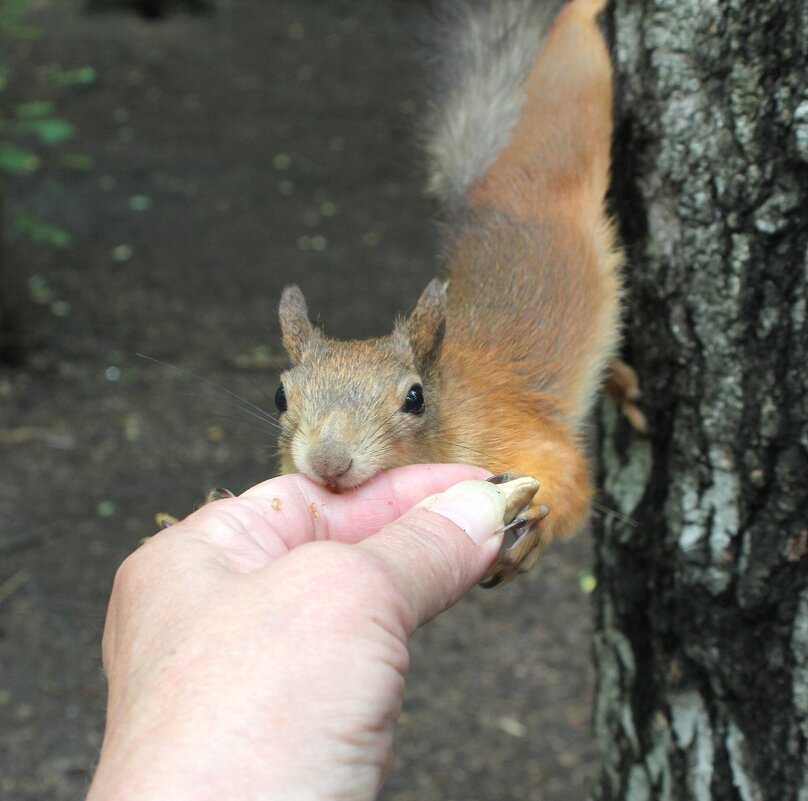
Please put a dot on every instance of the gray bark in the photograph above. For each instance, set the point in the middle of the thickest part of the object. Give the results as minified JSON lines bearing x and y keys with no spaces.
{"x":701,"y":643}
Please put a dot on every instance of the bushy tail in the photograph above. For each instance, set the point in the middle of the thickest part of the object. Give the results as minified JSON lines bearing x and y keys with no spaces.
{"x":481,"y":54}
{"x":521,"y":94}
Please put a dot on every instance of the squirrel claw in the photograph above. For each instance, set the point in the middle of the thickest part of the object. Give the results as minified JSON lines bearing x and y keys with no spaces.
{"x":531,"y":516}
{"x":524,"y":553}
{"x":217,"y":494}
{"x":503,"y":478}
{"x":164,"y":520}
{"x":517,"y":518}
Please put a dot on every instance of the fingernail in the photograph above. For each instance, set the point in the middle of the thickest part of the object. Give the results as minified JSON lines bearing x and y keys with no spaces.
{"x":481,"y":509}
{"x":475,"y":506}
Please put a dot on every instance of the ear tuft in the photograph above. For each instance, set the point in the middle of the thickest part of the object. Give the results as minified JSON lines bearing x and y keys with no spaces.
{"x":296,"y":328}
{"x":427,"y":324}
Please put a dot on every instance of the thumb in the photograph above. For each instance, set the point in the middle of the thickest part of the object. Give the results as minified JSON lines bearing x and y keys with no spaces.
{"x":441,"y":548}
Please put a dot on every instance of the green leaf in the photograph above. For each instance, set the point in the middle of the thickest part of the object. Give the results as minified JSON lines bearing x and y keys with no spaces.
{"x":587,"y":582}
{"x":50,"y":132}
{"x":105,"y":508}
{"x":83,"y":76}
{"x":12,"y":14}
{"x":76,"y":161}
{"x":40,"y":233}
{"x":38,"y":287}
{"x":19,"y":31}
{"x":57,"y":237}
{"x":16,"y":160}
{"x":140,"y":203}
{"x":35,"y":109}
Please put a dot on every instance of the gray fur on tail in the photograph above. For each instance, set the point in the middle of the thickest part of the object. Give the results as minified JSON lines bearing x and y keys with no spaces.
{"x":481,"y":53}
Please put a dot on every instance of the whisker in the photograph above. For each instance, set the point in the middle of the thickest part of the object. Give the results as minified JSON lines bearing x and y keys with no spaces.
{"x":243,"y":421}
{"x":267,"y":418}
{"x":369,"y":440}
{"x":458,"y":446}
{"x":285,"y":435}
{"x":605,"y":510}
{"x":261,"y":391}
{"x":264,"y":418}
{"x":259,"y":412}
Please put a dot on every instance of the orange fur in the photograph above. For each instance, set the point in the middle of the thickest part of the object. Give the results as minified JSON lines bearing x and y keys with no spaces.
{"x":552,"y":176}
{"x":512,"y":357}
{"x":556,"y":164}
{"x":523,"y":435}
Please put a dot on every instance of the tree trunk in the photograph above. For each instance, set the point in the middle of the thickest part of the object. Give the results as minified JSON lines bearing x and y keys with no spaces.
{"x":701,"y":643}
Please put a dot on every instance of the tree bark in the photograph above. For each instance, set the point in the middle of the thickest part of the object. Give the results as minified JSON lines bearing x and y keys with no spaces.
{"x":701,"y":643}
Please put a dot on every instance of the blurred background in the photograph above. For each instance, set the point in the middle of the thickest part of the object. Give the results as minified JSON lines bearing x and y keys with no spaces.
{"x":166,"y":168}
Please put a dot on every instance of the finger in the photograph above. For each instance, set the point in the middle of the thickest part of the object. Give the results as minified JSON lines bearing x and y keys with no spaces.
{"x":312,"y":512}
{"x":439,"y":550}
{"x":285,"y":512}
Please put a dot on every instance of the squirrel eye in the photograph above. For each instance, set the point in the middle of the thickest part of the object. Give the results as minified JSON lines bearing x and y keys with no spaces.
{"x":414,"y":401}
{"x":280,"y":399}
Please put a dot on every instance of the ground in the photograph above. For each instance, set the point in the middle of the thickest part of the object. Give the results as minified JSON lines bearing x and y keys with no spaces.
{"x":233,"y":153}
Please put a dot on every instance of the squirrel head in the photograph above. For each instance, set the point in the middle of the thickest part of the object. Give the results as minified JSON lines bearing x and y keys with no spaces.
{"x":350,"y":409}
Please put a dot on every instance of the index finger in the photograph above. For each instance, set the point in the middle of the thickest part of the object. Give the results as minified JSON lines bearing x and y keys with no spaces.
{"x":299,"y":511}
{"x":270,"y":519}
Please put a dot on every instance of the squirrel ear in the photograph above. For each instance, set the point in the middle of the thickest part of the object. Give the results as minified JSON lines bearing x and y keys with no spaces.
{"x":427,"y":323}
{"x":296,"y":328}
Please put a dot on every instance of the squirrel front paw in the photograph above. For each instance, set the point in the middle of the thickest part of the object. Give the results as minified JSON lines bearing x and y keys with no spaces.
{"x":164,"y":520}
{"x":524,"y":553}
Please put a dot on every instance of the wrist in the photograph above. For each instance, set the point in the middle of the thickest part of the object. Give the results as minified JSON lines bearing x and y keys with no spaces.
{"x":198,"y":754}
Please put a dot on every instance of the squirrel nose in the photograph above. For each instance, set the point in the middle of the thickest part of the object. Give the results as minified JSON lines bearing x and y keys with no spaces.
{"x":329,"y":463}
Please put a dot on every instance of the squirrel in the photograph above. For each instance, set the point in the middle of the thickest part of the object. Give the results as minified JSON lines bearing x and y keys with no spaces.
{"x":499,"y":363}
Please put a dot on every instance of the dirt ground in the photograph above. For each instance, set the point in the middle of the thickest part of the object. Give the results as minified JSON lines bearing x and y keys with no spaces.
{"x":234,"y":152}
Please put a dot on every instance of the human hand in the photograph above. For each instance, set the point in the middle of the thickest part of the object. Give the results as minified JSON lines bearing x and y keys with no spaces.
{"x":257,"y":649}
